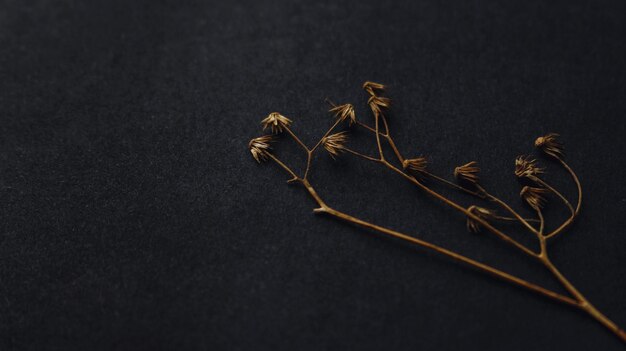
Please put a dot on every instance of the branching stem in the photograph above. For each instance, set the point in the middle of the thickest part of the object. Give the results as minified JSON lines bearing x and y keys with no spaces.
{"x":576,"y":299}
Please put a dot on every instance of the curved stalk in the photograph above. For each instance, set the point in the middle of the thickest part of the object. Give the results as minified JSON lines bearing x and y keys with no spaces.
{"x":555,"y":192}
{"x":570,"y":220}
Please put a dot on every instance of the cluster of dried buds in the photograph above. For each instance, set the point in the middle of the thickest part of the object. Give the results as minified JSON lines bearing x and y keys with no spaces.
{"x":467,"y":174}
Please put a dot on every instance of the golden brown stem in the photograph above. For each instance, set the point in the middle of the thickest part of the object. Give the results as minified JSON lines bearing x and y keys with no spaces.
{"x":312,"y":150}
{"x":283,"y":166}
{"x":366,"y":127}
{"x":512,"y":219}
{"x":555,"y":192}
{"x":380,"y":148}
{"x":577,"y":299}
{"x":323,"y":208}
{"x":463,"y":210}
{"x":570,"y":220}
{"x":455,"y":186}
{"x":385,"y":123}
{"x":369,"y":158}
{"x":297,"y":140}
{"x":508,"y":208}
{"x":453,"y":204}
{"x":583,"y":303}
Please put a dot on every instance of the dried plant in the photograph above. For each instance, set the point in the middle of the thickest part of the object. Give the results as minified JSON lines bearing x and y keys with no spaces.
{"x":550,"y":145}
{"x":478,"y":218}
{"x":481,"y":212}
{"x":276,"y":122}
{"x":468,"y":172}
{"x":416,"y":165}
{"x":334,"y":143}
{"x":345,"y":111}
{"x":526,"y":167}
{"x":259,"y":147}
{"x":534,"y":196}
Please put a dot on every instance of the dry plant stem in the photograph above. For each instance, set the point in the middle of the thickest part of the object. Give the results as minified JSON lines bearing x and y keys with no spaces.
{"x":555,"y":192}
{"x":480,"y":194}
{"x":453,"y":185}
{"x":370,"y":158}
{"x":296,"y":139}
{"x":283,"y":166}
{"x":380,"y":148}
{"x":488,"y":269}
{"x":512,"y":219}
{"x":462,"y":209}
{"x":451,"y":203}
{"x":311,"y":150}
{"x":581,"y":301}
{"x":502,"y":218}
{"x":323,"y":208}
{"x":570,"y":220}
{"x":508,"y":208}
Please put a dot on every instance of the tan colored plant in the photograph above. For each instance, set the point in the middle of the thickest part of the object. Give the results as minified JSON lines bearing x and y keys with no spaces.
{"x":478,"y":218}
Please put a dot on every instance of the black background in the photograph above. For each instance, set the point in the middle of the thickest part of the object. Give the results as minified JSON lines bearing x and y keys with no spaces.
{"x":133,"y":216}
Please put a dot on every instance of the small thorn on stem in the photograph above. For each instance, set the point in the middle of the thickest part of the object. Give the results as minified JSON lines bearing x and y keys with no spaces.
{"x":320,"y":210}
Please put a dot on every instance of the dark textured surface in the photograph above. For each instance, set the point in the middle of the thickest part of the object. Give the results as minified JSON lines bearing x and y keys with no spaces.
{"x":133,"y":217}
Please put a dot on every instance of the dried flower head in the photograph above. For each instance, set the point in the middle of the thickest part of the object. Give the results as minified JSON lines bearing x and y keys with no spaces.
{"x":533,"y":196}
{"x":468,"y":172}
{"x":371,"y":87}
{"x":550,"y":144}
{"x":345,"y":111}
{"x":377,"y":103}
{"x":334,"y":143}
{"x":417,"y":164}
{"x":259,"y":147}
{"x":526,"y":167}
{"x":473,"y":225}
{"x":276,"y":121}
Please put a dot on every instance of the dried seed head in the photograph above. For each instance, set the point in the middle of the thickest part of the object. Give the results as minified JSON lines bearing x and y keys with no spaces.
{"x":371,"y":87}
{"x":345,"y":111}
{"x":259,"y":147}
{"x":526,"y":167}
{"x":473,"y":225}
{"x":468,"y":172}
{"x":550,"y":144}
{"x":334,"y":143}
{"x":417,"y":165}
{"x":377,"y":103}
{"x":276,"y":121}
{"x":533,"y":196}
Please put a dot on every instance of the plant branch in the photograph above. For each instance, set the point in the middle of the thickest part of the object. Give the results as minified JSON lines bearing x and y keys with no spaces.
{"x":570,"y":220}
{"x":455,"y":186}
{"x":463,"y":210}
{"x":312,"y":150}
{"x":283,"y":166}
{"x":294,"y":137}
{"x":323,"y":208}
{"x":369,"y":158}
